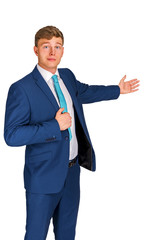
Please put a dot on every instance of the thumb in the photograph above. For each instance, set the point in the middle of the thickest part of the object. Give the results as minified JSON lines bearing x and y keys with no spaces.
{"x":122,"y":80}
{"x":60,"y":111}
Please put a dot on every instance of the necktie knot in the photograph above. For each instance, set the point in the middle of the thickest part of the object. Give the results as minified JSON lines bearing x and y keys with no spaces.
{"x":55,"y":78}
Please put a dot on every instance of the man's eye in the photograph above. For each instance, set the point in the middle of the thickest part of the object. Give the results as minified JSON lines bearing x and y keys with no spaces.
{"x":46,"y":47}
{"x":57,"y":47}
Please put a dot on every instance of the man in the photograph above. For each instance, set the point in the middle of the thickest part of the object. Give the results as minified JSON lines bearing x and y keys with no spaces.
{"x":44,"y":112}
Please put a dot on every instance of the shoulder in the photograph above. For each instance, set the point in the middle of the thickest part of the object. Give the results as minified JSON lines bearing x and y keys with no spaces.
{"x":66,"y":71}
{"x":23,"y":82}
{"x":67,"y":75}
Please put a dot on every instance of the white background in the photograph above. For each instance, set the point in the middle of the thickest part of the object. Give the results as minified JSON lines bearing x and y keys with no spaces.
{"x":104,"y":40}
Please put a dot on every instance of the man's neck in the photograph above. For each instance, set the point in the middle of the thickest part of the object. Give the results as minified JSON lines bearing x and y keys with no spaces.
{"x":52,"y":70}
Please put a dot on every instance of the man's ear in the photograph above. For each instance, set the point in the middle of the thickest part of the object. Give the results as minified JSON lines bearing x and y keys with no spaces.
{"x":62,"y":52}
{"x":35,"y":50}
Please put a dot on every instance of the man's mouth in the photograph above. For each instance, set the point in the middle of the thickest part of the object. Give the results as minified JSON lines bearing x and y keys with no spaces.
{"x":51,"y":59}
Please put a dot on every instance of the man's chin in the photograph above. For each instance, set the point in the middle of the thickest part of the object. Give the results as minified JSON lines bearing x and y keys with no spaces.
{"x":52,"y":65}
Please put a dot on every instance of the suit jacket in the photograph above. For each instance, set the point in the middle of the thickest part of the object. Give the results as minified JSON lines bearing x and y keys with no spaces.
{"x":30,"y":120}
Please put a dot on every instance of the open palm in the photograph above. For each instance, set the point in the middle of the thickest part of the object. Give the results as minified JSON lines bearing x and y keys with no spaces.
{"x":129,"y":86}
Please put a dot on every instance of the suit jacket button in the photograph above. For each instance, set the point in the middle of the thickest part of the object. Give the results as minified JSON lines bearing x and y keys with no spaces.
{"x":66,"y":138}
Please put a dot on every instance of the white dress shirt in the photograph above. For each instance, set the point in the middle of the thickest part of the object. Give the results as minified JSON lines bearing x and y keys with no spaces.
{"x":48,"y":78}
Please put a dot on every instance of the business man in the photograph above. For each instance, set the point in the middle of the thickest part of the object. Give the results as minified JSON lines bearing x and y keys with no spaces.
{"x":44,"y":112}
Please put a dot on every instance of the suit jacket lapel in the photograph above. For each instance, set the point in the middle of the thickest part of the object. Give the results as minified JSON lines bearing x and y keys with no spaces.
{"x":46,"y":90}
{"x":44,"y":87}
{"x":69,"y":88}
{"x":72,"y":94}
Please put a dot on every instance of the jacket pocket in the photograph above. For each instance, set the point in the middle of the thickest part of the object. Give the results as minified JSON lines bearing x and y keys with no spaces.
{"x":40,"y":157}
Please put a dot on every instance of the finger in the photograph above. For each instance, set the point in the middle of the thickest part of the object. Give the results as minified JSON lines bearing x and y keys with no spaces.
{"x":67,"y":116}
{"x":134,"y":81}
{"x":122,"y":80}
{"x":135,"y":86}
{"x":60,"y":111}
{"x":134,"y":90}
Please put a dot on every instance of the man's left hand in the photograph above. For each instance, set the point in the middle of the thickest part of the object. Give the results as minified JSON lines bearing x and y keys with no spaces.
{"x":129,"y":86}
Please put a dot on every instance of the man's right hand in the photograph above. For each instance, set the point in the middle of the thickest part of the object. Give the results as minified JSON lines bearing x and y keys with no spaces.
{"x":64,"y":119}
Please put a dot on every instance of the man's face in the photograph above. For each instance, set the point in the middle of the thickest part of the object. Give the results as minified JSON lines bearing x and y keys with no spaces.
{"x":49,"y":53}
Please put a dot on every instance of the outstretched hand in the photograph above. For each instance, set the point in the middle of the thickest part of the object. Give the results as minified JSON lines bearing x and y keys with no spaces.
{"x":129,"y":86}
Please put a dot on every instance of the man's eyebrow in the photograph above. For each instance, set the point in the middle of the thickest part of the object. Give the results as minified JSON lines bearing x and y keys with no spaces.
{"x":49,"y":43}
{"x":44,"y":43}
{"x":59,"y":43}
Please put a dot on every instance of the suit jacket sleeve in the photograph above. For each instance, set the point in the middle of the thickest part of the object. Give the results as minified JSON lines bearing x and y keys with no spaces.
{"x":17,"y":130}
{"x":95,"y":93}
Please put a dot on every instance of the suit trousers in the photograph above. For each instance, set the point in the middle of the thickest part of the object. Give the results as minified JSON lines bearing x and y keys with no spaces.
{"x":61,"y":207}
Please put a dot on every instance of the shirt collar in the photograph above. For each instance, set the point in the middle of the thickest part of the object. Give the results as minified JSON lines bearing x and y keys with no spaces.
{"x":46,"y":74}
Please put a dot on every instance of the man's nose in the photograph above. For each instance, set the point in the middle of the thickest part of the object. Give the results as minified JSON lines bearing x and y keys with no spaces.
{"x":52,"y":51}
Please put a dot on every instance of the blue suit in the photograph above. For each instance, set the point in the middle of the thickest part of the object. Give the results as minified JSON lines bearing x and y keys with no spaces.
{"x":30,"y":120}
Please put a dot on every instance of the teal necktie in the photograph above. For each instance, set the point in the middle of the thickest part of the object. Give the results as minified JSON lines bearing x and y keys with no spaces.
{"x":61,"y":98}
